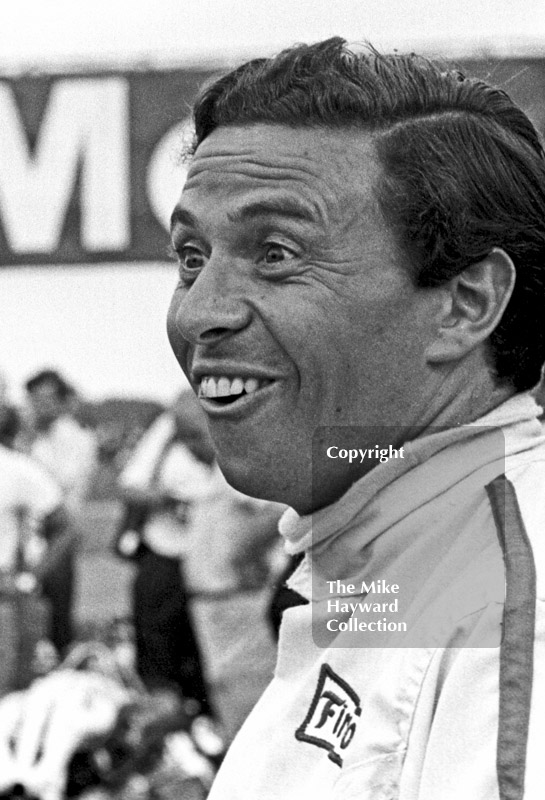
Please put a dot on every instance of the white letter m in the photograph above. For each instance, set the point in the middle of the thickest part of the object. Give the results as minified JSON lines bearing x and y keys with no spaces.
{"x":85,"y":122}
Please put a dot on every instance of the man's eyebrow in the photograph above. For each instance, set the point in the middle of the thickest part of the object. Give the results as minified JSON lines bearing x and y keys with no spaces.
{"x":282,"y":206}
{"x":291,"y":207}
{"x":183,"y":217}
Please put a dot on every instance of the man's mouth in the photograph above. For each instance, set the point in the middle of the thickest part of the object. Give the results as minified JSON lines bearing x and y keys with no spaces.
{"x":224,"y":390}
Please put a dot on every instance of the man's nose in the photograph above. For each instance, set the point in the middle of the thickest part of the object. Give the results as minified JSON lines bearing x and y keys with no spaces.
{"x":213,"y":308}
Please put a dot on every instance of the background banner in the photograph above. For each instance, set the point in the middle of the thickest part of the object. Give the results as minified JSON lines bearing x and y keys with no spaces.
{"x":85,"y":164}
{"x":88,"y":168}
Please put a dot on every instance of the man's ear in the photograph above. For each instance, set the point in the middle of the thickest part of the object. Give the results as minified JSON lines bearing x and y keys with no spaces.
{"x":472,"y":307}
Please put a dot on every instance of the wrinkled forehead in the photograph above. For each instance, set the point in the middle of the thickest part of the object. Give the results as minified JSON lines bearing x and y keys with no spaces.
{"x":326,"y":161}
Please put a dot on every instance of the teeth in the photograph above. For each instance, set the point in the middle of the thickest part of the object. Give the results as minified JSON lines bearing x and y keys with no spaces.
{"x":224,"y":387}
{"x":211,"y":389}
{"x":251,"y":385}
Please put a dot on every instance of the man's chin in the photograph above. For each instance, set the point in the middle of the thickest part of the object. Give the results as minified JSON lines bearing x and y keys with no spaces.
{"x":242,"y":474}
{"x":266,"y":480}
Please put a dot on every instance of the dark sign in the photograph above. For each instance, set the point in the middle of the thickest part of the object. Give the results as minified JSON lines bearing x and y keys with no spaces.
{"x":88,"y":167}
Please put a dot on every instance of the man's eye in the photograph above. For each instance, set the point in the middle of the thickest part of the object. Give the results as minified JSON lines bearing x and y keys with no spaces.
{"x":277,"y":253}
{"x":191,"y":258}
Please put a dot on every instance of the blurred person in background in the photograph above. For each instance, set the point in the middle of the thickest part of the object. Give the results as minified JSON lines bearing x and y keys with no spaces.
{"x":58,"y":441}
{"x":34,"y":531}
{"x":199,"y":545}
{"x":69,"y":454}
{"x":160,"y":481}
{"x":4,"y":393}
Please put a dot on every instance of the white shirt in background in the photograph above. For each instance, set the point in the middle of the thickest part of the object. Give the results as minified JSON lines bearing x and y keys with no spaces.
{"x":69,"y":453}
{"x":27,"y":495}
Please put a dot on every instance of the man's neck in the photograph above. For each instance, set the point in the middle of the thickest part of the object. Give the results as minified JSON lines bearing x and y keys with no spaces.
{"x":444,"y":410}
{"x":469,"y":403}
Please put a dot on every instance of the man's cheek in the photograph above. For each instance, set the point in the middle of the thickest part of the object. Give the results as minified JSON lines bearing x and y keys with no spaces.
{"x":177,"y":342}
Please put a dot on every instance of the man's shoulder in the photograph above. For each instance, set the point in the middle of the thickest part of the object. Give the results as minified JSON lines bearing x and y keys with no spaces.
{"x":29,"y":476}
{"x":526,"y":475}
{"x":525,"y":471}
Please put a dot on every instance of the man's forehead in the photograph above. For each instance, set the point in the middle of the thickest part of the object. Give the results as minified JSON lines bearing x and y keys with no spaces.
{"x":270,"y":143}
{"x":311,"y":162}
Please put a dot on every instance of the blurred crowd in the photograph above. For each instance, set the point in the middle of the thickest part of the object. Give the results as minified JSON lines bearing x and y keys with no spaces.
{"x":204,"y":558}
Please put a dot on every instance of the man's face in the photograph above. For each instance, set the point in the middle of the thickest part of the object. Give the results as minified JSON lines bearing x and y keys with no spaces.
{"x":292,"y":286}
{"x":46,"y":404}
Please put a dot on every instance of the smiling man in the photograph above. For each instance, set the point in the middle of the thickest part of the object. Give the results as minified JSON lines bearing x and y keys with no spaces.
{"x":361,"y":245}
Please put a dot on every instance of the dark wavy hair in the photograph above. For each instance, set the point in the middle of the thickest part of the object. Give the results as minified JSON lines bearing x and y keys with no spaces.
{"x":463,"y":166}
{"x":50,"y":376}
